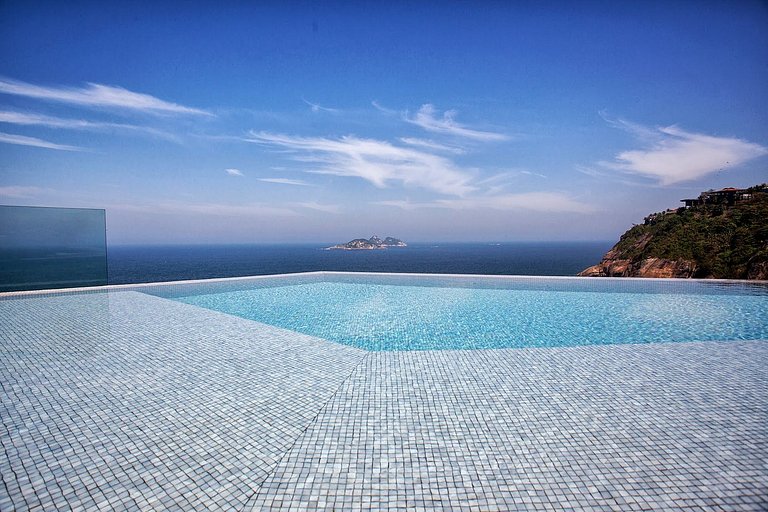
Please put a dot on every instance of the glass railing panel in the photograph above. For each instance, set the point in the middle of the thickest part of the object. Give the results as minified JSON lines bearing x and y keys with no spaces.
{"x":45,"y":248}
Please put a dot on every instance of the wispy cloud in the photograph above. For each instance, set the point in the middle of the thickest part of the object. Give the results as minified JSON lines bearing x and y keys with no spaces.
{"x":326,"y":208}
{"x":643,"y":133}
{"x":672,"y":155}
{"x":532,"y":201}
{"x":285,"y":181}
{"x":22,"y":140}
{"x":531,"y":173}
{"x":21,"y":192}
{"x":208,"y":209}
{"x":430,"y":144}
{"x":319,"y":108}
{"x":378,"y":106}
{"x":235,"y":211}
{"x":549,"y":202}
{"x":33,"y":119}
{"x":234,"y":172}
{"x":446,"y":124}
{"x":97,"y":95}
{"x":382,"y":163}
{"x":378,"y":162}
{"x":405,"y":204}
{"x":609,"y":175}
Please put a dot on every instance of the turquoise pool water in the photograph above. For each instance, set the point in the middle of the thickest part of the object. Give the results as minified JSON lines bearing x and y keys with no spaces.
{"x":409,"y":315}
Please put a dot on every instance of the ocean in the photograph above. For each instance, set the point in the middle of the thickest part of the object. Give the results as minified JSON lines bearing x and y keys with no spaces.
{"x":137,"y":264}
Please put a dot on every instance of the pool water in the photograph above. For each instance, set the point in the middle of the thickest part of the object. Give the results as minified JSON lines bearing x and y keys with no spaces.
{"x":380,"y":316}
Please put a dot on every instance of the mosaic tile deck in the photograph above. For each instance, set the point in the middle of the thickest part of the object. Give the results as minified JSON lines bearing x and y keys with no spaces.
{"x":126,"y":401}
{"x":623,"y":427}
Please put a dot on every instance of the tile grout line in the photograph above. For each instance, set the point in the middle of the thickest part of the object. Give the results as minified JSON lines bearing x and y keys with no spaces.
{"x":250,"y":502}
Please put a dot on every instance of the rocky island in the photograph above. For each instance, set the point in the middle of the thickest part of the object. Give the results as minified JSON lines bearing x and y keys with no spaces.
{"x":372,"y":243}
{"x":722,"y":234}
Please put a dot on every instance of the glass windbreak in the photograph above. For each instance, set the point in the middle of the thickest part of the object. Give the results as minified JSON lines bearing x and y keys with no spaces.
{"x":42,"y":248}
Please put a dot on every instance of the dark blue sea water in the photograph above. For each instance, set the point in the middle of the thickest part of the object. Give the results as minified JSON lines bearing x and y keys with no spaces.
{"x":137,"y":264}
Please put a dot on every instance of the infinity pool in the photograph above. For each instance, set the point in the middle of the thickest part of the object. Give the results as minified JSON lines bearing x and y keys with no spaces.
{"x":131,"y":398}
{"x":423,"y":313}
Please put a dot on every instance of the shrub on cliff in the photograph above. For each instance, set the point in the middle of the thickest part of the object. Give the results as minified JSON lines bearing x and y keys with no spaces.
{"x":728,"y":242}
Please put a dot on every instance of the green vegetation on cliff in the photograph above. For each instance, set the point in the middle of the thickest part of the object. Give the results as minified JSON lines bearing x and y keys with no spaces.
{"x":709,"y":240}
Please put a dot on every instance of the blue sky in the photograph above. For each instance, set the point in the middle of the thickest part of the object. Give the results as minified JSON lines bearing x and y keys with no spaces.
{"x":431,"y":121}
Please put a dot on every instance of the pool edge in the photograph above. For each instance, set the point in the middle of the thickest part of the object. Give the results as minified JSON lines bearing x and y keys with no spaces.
{"x":110,"y":287}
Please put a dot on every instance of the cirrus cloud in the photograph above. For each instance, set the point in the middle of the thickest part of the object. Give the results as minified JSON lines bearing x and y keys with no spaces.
{"x":426,"y":119}
{"x":97,"y":95}
{"x":379,"y":162}
{"x":673,"y":155}
{"x":23,"y":140}
{"x":431,"y":145}
{"x":236,"y":211}
{"x":33,"y":119}
{"x":314,"y":107}
{"x":550,"y":202}
{"x":285,"y":181}
{"x":21,"y":192}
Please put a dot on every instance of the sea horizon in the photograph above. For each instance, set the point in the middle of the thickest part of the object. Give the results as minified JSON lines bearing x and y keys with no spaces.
{"x":136,"y":263}
{"x":329,"y":243}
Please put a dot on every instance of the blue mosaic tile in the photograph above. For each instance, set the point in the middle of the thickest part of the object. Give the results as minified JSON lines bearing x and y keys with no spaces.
{"x":631,"y":427}
{"x":121,"y":400}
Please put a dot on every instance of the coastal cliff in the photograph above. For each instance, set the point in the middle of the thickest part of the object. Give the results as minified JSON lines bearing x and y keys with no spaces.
{"x":721,"y":235}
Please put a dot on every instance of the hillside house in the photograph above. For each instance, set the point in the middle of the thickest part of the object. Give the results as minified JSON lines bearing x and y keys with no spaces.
{"x":727,"y":196}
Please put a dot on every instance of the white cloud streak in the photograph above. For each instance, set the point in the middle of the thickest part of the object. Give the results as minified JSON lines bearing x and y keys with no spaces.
{"x":252,"y":210}
{"x":97,"y":95}
{"x":640,"y":132}
{"x":546,"y":202}
{"x":21,"y":192}
{"x":426,"y":119}
{"x":234,"y":172}
{"x":285,"y":181}
{"x":237,"y":212}
{"x":430,"y":144}
{"x":319,"y":108}
{"x":530,"y":173}
{"x":382,"y":164}
{"x":325,"y":208}
{"x":32,"y":119}
{"x":673,"y":155}
{"x":23,"y":140}
{"x":383,"y":109}
{"x":378,"y":162}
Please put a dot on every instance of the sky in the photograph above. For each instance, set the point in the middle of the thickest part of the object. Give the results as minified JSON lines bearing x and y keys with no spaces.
{"x":263,"y":122}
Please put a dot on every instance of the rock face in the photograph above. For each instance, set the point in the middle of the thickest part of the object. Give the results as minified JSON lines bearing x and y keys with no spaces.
{"x":372,"y":243}
{"x":704,"y":241}
{"x":758,"y":270}
{"x":649,"y":267}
